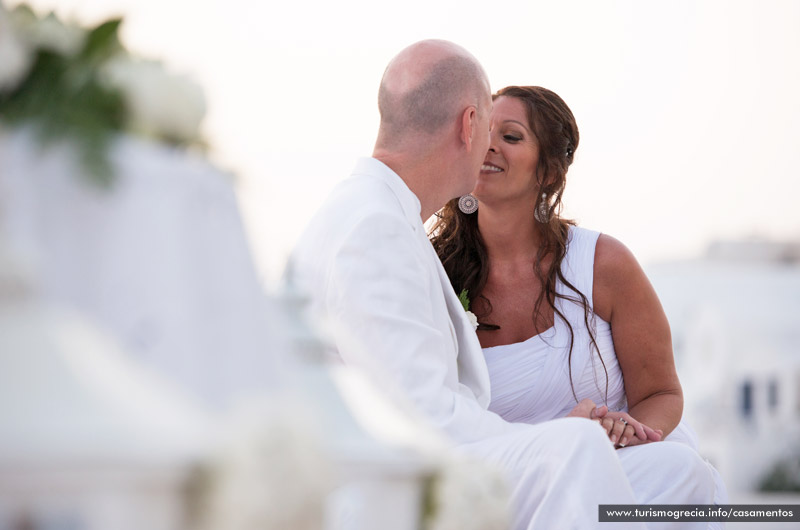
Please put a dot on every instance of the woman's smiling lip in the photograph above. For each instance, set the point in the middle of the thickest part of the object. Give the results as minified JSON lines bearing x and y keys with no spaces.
{"x":490,"y":168}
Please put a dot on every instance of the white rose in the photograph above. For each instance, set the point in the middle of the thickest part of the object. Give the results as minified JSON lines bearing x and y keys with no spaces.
{"x":161,"y":104}
{"x":274,"y":475}
{"x":472,"y":319}
{"x":15,"y":56}
{"x":50,"y":34}
{"x":470,"y":495}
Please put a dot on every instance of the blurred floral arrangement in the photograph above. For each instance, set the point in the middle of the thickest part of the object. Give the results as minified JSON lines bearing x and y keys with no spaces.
{"x":272,"y":473}
{"x":467,"y":494}
{"x":80,"y":84}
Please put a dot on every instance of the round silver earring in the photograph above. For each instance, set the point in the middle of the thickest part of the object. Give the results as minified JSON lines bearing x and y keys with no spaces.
{"x":542,"y":212}
{"x":468,"y":204}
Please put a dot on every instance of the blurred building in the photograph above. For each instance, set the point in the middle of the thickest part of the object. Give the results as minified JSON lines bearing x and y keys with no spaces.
{"x":735,"y":318}
{"x":147,"y":382}
{"x":88,"y":439}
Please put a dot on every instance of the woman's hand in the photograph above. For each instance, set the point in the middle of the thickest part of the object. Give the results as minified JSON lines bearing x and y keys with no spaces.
{"x":587,"y":409}
{"x":619,"y":426}
{"x":624,"y":430}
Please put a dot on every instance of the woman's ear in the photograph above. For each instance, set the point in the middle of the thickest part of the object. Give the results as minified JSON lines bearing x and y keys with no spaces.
{"x":547,"y":181}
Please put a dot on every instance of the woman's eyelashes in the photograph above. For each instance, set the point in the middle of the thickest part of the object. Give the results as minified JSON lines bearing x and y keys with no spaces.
{"x":511,"y":138}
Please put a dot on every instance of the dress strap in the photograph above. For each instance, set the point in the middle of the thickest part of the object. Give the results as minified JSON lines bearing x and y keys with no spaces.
{"x":578,"y":264}
{"x":578,"y":269}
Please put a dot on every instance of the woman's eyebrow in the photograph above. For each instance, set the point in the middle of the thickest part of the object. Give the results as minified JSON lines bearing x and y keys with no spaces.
{"x":517,"y":122}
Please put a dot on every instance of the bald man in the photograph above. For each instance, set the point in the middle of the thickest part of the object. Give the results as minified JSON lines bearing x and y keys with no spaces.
{"x":373,"y":275}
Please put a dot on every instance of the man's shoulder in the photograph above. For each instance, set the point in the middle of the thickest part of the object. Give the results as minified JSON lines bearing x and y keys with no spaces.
{"x":356,"y":200}
{"x":361,"y":220}
{"x":357,"y":206}
{"x":365,"y":193}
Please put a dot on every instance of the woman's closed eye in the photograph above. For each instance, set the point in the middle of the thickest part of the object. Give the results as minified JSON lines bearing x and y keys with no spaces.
{"x":511,"y":138}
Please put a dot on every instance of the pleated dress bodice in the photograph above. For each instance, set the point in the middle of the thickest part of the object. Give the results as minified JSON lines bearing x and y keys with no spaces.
{"x":530,"y":380}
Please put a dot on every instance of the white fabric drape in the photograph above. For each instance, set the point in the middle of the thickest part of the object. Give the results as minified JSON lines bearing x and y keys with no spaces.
{"x":159,"y":259}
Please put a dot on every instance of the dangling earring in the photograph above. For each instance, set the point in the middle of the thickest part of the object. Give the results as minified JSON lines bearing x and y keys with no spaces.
{"x":542,"y":212}
{"x":468,"y":204}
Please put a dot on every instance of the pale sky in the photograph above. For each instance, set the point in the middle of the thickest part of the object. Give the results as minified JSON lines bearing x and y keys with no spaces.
{"x":688,"y":110}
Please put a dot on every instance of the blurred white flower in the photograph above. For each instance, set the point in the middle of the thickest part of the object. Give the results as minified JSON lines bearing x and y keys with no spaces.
{"x":472,"y":319}
{"x":161,"y":104}
{"x":469,"y":494}
{"x":48,"y":33}
{"x":16,"y":56}
{"x":274,"y":475}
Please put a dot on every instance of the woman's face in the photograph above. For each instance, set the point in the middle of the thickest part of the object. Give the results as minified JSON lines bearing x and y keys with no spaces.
{"x":509,"y":170}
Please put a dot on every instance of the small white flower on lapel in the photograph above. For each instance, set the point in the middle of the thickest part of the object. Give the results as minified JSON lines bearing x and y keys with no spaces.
{"x":472,"y":319}
{"x":463,"y":297}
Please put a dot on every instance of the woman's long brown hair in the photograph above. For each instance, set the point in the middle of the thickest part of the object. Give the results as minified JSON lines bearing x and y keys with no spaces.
{"x":459,"y":244}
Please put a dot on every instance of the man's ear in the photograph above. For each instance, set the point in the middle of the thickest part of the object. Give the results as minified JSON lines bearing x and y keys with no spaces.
{"x":468,"y":120}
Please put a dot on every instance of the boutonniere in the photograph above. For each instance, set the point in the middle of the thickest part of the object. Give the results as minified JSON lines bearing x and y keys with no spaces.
{"x":464,"y":299}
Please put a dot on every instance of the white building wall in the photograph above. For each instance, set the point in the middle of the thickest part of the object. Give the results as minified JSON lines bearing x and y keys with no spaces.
{"x":736,"y":322}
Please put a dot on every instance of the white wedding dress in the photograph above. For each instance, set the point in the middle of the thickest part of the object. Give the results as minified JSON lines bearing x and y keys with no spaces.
{"x":530,"y":380}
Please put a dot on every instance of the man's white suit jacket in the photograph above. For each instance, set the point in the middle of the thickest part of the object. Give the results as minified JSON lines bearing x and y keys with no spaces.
{"x":375,"y":281}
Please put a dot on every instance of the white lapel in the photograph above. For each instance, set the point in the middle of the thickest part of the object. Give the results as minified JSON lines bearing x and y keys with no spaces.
{"x":472,"y":371}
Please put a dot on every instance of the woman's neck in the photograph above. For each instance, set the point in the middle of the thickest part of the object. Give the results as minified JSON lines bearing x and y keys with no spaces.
{"x":510,"y":232}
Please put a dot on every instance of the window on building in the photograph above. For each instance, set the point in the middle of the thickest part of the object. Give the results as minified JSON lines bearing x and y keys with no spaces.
{"x":772,"y":395}
{"x":797,"y":393}
{"x":747,"y":399}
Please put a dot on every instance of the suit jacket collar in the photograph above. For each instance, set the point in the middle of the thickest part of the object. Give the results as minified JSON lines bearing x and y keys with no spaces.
{"x":472,"y":371}
{"x":409,"y":202}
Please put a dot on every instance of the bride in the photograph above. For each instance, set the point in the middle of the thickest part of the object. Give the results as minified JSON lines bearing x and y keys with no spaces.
{"x":564,"y":313}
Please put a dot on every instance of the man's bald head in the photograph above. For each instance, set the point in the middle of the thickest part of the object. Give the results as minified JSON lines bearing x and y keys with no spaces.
{"x":427,"y":86}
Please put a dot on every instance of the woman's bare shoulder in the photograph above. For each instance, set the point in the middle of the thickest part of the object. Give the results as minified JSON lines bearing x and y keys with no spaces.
{"x":616,"y":272}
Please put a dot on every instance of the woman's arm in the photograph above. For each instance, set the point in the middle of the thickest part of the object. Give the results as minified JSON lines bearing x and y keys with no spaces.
{"x":624,"y":297}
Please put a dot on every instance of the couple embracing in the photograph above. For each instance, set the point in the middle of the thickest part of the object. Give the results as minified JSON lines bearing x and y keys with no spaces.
{"x":585,"y":403}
